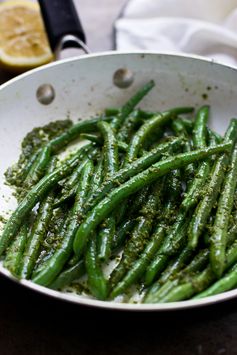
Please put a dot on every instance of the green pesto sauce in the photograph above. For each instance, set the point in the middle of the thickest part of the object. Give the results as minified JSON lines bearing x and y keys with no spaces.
{"x":77,"y":287}
{"x":31,"y":143}
{"x":54,"y":236}
{"x":2,"y":219}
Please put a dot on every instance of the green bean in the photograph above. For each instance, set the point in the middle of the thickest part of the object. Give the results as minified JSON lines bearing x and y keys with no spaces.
{"x":225,"y":204}
{"x":73,"y":179}
{"x":33,"y":196}
{"x":121,"y":212}
{"x":231,"y":255}
{"x":51,"y":243}
{"x":139,"y":266}
{"x":105,"y":239}
{"x":173,"y":194}
{"x":74,"y":131}
{"x":199,"y":141}
{"x":135,"y":204}
{"x":128,"y":107}
{"x":136,"y":142}
{"x":146,"y":114}
{"x":108,"y":204}
{"x":176,"y":111}
{"x":132,"y":122}
{"x":157,"y":291}
{"x":46,"y":261}
{"x":161,"y":259}
{"x":27,"y":167}
{"x":187,"y":289}
{"x":15,"y":251}
{"x":165,"y":284}
{"x":172,"y":197}
{"x":88,"y":152}
{"x":176,"y":236}
{"x":140,"y":234}
{"x":174,"y":186}
{"x":73,"y":260}
{"x":138,"y":201}
{"x":110,"y":149}
{"x":122,"y":146}
{"x":97,"y":177}
{"x":179,"y":292}
{"x":226,"y":283}
{"x":176,"y":265}
{"x":160,"y":288}
{"x":144,"y":133}
{"x":124,"y":174}
{"x":96,"y":281}
{"x":155,"y":268}
{"x":200,"y":128}
{"x":38,"y":168}
{"x":160,"y":293}
{"x":187,"y":124}
{"x":134,"y":246}
{"x":199,"y":262}
{"x":37,"y":234}
{"x":66,"y":277}
{"x":70,"y":187}
{"x":96,"y":180}
{"x":121,"y":234}
{"x":180,"y":130}
{"x":62,"y":254}
{"x":232,"y":234}
{"x":214,"y":136}
{"x":193,"y":194}
{"x":111,"y":165}
{"x":92,"y":138}
{"x":204,"y":207}
{"x":54,"y":145}
{"x":111,"y":111}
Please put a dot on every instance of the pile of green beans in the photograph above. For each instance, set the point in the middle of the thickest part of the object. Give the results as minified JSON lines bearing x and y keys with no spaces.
{"x":147,"y":205}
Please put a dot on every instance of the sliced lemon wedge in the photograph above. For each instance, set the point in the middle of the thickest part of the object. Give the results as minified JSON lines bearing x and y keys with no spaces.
{"x":23,"y":41}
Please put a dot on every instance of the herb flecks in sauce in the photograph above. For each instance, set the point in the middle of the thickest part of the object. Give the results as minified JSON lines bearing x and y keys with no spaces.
{"x":31,"y":143}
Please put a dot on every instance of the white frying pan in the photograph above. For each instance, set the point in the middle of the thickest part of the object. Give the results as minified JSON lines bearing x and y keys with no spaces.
{"x":85,"y":86}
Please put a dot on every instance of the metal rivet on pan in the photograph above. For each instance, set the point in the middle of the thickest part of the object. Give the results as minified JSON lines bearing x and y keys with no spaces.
{"x":45,"y":94}
{"x":123,"y":78}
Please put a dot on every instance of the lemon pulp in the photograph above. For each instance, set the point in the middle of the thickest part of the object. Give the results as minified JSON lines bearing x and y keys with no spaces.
{"x":23,"y":41}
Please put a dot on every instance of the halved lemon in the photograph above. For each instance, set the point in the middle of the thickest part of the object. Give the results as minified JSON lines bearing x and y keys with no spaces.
{"x":23,"y":41}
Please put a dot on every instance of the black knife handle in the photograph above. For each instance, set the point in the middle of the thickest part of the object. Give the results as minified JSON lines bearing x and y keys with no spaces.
{"x":61,"y":19}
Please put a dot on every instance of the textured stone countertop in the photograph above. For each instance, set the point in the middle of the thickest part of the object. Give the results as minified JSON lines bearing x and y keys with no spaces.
{"x":32,"y":324}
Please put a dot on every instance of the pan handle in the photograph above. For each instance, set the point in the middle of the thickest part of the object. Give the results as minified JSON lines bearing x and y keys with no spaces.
{"x":63,"y":25}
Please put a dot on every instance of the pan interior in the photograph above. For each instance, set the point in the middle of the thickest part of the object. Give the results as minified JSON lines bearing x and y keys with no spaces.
{"x":84,"y":87}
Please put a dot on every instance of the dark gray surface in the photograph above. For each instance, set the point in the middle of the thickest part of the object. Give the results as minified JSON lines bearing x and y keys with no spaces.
{"x":34,"y":324}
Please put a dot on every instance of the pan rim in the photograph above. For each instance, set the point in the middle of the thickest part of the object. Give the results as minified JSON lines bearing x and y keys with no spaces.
{"x":114,"y":53}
